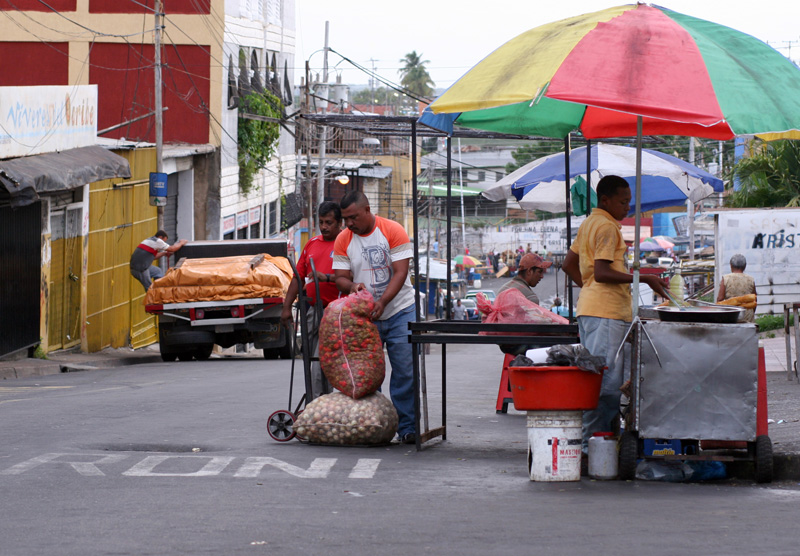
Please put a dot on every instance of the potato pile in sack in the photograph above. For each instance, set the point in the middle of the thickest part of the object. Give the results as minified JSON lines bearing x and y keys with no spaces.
{"x":350,"y":347}
{"x":340,"y":420}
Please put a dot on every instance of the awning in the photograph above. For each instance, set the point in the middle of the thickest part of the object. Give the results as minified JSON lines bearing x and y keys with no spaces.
{"x":381,"y":172}
{"x":25,"y":178}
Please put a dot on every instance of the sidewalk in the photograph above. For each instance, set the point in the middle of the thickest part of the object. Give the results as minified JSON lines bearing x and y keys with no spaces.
{"x":73,"y":360}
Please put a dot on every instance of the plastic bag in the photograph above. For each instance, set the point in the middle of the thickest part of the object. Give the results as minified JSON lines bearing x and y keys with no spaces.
{"x":350,"y":348}
{"x":512,"y":307}
{"x":340,"y":420}
{"x":680,"y":471}
{"x":575,"y":355}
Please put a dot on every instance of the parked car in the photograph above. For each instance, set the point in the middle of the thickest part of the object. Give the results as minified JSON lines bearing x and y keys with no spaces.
{"x":473,"y":294}
{"x":472,"y":309}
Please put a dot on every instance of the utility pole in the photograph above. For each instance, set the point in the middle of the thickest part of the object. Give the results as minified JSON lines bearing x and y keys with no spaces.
{"x":428,"y":248}
{"x":461,"y":187}
{"x":322,"y":142}
{"x":307,"y":145}
{"x":159,"y":13}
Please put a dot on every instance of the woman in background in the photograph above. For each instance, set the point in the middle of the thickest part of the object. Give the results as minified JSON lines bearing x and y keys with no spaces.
{"x":736,"y":284}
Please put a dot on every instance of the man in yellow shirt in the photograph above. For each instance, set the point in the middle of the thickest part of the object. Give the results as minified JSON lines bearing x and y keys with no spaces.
{"x":595,"y":262}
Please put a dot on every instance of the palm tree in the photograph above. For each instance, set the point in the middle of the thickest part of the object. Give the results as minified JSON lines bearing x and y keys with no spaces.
{"x":768,"y":178}
{"x":414,"y":76}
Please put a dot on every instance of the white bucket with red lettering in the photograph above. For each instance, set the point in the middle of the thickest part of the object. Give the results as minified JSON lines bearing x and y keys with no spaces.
{"x":554,"y":445}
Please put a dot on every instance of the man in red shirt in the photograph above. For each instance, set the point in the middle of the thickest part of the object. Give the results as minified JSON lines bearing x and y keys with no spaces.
{"x":320,"y":250}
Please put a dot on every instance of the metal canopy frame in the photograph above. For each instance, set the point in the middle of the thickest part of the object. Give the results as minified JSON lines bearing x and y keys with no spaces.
{"x":446,"y":331}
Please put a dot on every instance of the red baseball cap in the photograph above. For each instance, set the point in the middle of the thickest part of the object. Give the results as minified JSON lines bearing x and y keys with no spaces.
{"x":530,"y":260}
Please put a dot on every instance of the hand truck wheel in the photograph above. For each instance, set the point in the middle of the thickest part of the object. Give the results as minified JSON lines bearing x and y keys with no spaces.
{"x":280,"y":426}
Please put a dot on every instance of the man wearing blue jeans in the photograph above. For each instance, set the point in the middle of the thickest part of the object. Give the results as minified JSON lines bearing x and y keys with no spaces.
{"x":596,"y":263}
{"x":373,"y":253}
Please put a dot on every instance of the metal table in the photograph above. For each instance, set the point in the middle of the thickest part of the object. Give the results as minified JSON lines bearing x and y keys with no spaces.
{"x":459,"y":332}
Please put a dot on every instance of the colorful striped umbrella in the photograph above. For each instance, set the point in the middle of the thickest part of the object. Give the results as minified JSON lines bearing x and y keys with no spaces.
{"x":467,"y":260}
{"x":597,"y":72}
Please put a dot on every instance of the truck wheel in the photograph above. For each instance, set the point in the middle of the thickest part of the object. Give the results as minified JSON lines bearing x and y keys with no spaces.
{"x":185,"y":356}
{"x":168,"y":356}
{"x":203,"y":352}
{"x":271,"y":353}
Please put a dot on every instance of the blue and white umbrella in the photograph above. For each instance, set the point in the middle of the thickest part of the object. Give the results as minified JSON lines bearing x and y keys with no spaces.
{"x":666,"y":180}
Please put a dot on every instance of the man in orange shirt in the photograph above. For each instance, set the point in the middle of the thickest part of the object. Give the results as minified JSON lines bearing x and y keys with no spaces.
{"x":373,"y":254}
{"x":595,"y":262}
{"x":320,"y":250}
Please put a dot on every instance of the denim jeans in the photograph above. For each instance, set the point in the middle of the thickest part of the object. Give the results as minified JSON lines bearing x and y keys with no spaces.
{"x":147,"y":276}
{"x":603,"y":337}
{"x":394,"y":335}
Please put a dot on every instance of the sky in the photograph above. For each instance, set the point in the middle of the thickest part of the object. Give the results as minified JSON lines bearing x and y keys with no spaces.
{"x":456,"y":35}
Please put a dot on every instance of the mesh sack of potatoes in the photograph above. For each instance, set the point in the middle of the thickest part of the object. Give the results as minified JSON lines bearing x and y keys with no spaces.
{"x":338,"y":419}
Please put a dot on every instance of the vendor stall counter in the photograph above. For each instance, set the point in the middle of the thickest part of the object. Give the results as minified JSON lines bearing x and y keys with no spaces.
{"x":459,"y":332}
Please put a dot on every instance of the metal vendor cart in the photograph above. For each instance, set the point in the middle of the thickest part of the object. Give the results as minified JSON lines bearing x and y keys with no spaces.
{"x":280,"y":424}
{"x":694,"y":382}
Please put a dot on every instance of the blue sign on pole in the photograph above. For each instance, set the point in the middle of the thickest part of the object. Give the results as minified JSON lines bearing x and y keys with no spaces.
{"x":158,"y":189}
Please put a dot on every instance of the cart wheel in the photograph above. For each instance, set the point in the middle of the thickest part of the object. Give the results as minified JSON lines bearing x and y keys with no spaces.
{"x":280,"y":426}
{"x":628,"y":453}
{"x":763,"y":459}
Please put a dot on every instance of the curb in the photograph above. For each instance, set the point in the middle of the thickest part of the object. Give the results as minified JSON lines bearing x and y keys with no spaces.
{"x":42,"y":367}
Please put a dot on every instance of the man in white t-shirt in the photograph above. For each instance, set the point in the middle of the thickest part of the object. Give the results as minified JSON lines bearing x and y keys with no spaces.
{"x":373,"y":253}
{"x":146,"y":252}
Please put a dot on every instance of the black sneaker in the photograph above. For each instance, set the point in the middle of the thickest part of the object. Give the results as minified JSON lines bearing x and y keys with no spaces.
{"x":409,"y":438}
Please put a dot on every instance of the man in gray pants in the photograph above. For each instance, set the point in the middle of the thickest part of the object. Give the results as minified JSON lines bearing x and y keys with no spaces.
{"x":148,"y":251}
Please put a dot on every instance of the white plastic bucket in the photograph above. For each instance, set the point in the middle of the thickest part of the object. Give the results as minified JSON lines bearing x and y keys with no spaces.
{"x":476,"y":283}
{"x":603,"y":457}
{"x":554,"y":445}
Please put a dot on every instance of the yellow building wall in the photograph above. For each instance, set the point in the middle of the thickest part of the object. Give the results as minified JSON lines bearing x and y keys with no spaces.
{"x":120,"y":216}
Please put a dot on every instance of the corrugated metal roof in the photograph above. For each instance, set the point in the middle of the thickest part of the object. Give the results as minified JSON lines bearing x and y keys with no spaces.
{"x":381,"y":172}
{"x":26,"y":177}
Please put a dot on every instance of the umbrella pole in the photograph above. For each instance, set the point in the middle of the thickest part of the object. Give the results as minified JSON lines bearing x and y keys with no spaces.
{"x":569,"y":218}
{"x":589,"y":177}
{"x":638,"y":217}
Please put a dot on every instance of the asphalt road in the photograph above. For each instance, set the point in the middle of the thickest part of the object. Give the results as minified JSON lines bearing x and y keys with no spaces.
{"x":174,"y":459}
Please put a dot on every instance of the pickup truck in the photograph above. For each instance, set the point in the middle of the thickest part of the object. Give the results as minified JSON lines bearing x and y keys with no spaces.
{"x":190,"y":329}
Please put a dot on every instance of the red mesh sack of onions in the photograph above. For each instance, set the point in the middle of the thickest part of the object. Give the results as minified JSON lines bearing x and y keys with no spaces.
{"x":350,"y":348}
{"x":342,"y":421}
{"x":512,"y":307}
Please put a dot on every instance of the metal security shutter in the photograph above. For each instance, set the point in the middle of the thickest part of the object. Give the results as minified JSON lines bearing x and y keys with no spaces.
{"x":171,"y":209}
{"x":20,"y":275}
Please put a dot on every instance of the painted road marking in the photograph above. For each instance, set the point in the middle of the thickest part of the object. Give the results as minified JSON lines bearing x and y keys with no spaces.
{"x":318,"y":469}
{"x":15,"y":389}
{"x":201,"y":465}
{"x":146,"y":467}
{"x":87,"y":469}
{"x":365,"y":468}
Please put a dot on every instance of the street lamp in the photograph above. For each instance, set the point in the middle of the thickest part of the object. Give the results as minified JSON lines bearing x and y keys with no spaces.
{"x":343,"y":179}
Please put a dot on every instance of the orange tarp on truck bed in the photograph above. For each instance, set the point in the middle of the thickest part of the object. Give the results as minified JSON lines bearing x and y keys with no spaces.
{"x":222,"y":279}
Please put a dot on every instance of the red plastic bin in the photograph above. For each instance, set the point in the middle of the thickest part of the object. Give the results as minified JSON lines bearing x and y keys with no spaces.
{"x":554,"y":388}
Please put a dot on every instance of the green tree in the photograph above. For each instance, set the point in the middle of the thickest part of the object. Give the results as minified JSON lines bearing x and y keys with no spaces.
{"x":257,"y":139}
{"x":532,"y":151}
{"x":768,"y":178}
{"x":368,"y":96}
{"x":414,"y":76}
